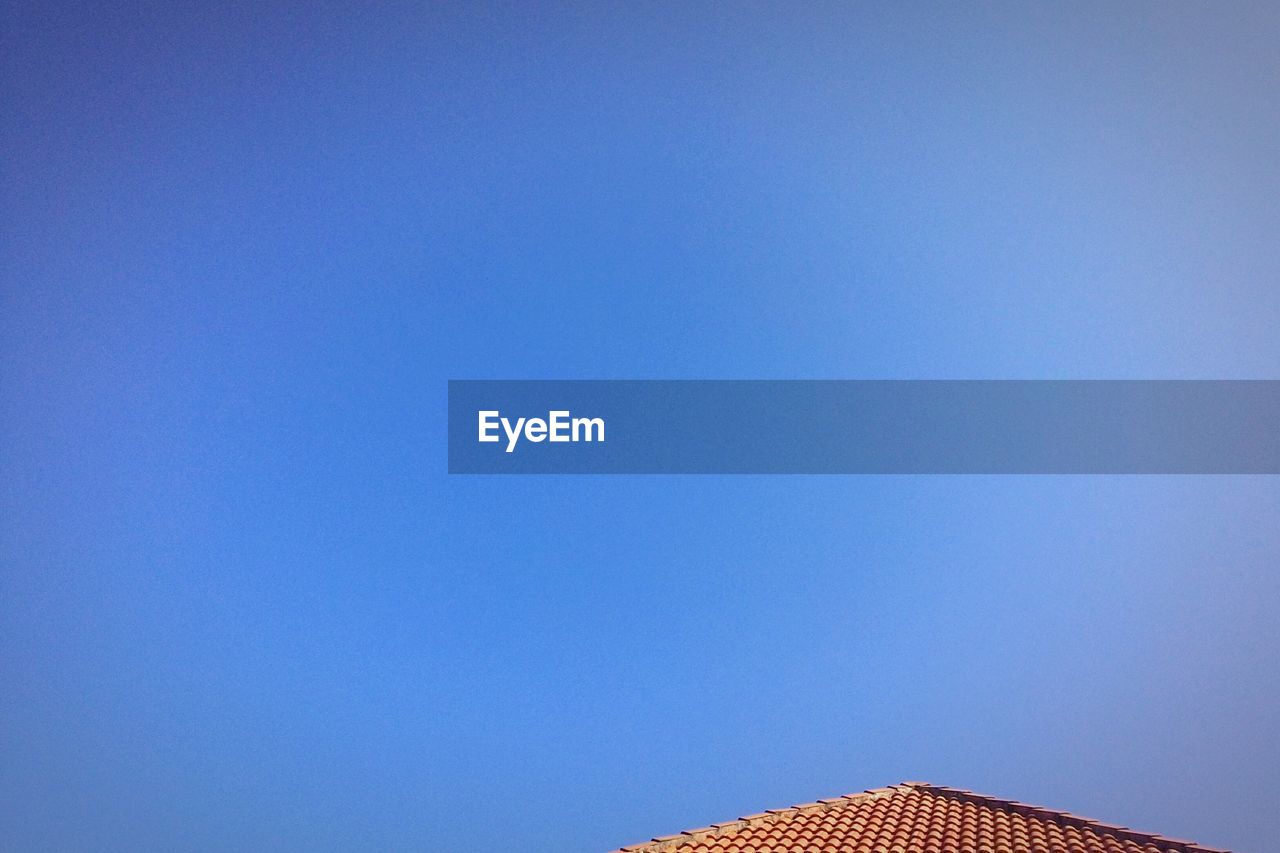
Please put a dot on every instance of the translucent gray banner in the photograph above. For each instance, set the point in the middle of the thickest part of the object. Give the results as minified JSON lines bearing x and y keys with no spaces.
{"x":864,"y":427}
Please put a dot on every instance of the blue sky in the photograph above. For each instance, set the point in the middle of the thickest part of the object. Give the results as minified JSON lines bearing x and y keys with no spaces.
{"x":242,"y":606}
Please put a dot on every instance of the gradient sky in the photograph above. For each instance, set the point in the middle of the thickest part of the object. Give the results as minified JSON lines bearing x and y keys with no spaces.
{"x":242,"y":606}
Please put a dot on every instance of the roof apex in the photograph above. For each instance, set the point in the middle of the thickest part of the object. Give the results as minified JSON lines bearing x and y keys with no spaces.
{"x":662,"y":844}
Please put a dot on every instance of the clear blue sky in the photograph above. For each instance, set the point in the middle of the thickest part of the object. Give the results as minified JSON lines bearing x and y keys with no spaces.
{"x":242,"y":606}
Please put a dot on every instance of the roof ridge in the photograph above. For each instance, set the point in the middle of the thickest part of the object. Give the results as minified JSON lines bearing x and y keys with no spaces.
{"x":1066,"y":818}
{"x":672,"y":842}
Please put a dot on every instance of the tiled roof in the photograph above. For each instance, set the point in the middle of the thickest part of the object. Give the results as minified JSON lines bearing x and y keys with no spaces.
{"x":915,"y":817}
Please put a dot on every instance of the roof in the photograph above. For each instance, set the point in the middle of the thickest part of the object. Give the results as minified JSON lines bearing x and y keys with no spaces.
{"x":915,"y":817}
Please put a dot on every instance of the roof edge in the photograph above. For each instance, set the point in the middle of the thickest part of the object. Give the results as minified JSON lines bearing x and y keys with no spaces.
{"x":664,"y":843}
{"x":1066,"y":818}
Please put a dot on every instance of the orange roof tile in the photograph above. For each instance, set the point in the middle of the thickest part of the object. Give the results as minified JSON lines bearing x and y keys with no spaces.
{"x":915,"y":817}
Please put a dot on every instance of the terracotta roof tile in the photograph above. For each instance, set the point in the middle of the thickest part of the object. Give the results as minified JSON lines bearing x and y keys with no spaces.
{"x":915,"y":817}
